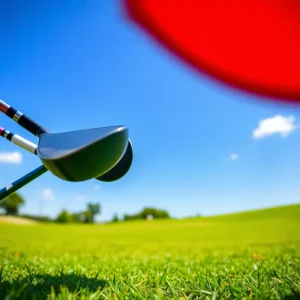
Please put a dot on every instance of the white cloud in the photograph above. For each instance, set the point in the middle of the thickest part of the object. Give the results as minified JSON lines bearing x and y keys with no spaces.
{"x":96,"y":187}
{"x":47,"y":194}
{"x":234,"y":156}
{"x":80,"y":197}
{"x":11,"y":157}
{"x":277,"y":124}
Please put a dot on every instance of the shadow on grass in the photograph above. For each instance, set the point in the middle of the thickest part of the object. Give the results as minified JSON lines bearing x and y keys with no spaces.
{"x":39,"y":286}
{"x":294,"y":296}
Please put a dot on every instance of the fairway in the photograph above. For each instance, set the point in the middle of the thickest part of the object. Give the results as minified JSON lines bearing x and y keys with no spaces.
{"x":252,"y":255}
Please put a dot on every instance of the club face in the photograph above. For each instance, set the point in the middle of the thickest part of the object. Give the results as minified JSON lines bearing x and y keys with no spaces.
{"x":121,"y":168}
{"x":83,"y":154}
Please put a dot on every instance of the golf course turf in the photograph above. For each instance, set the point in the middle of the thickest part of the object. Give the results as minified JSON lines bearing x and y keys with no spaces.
{"x":251,"y":255}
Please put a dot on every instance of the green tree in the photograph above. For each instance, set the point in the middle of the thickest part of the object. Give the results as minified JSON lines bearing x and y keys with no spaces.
{"x":82,"y":217}
{"x":64,"y":217}
{"x":88,"y":217}
{"x":94,"y":209}
{"x":12,"y":203}
{"x":115,"y":218}
{"x":154,"y":212}
{"x":127,"y":217}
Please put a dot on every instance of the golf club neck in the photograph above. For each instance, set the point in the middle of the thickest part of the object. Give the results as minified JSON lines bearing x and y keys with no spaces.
{"x":18,"y":140}
{"x":21,"y":119}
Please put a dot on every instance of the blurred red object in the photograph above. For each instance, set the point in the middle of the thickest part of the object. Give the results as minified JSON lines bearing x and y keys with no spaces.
{"x":250,"y":44}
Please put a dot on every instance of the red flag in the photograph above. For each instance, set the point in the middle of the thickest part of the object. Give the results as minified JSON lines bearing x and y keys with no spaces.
{"x":251,"y":44}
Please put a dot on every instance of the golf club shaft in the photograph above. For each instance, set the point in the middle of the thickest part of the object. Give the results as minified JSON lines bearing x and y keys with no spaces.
{"x":13,"y":187}
{"x":29,"y":146}
{"x":21,"y":119}
{"x":18,"y":140}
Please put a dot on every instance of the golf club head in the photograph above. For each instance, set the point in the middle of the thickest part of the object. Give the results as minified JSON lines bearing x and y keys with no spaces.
{"x":121,"y":168}
{"x":83,"y":154}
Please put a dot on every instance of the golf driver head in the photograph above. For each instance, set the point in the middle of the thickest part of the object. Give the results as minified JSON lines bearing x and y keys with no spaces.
{"x":83,"y":154}
{"x":121,"y":168}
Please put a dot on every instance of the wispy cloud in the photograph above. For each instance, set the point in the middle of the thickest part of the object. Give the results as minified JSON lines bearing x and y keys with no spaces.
{"x":96,"y":187}
{"x":47,"y":194}
{"x":10,"y":157}
{"x":234,"y":156}
{"x":80,"y":197}
{"x":275,"y":125}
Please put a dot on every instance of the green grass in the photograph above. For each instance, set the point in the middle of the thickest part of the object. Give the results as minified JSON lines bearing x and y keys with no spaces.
{"x":253,"y":255}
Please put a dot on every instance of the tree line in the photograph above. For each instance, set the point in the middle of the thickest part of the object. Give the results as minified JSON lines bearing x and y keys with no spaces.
{"x":12,"y":203}
{"x":87,"y":216}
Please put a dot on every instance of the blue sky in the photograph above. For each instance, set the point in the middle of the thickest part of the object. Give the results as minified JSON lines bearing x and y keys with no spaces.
{"x":82,"y":64}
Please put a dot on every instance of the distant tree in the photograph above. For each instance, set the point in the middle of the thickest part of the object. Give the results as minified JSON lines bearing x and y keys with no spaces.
{"x":12,"y":203}
{"x":79,"y":217}
{"x":94,"y":209}
{"x":126,"y":217}
{"x":64,"y":217}
{"x":88,"y":216}
{"x":115,"y":218}
{"x":156,"y":213}
{"x":146,"y":212}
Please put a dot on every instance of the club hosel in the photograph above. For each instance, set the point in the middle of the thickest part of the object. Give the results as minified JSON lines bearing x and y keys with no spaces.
{"x":22,"y":119}
{"x":30,"y":125}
